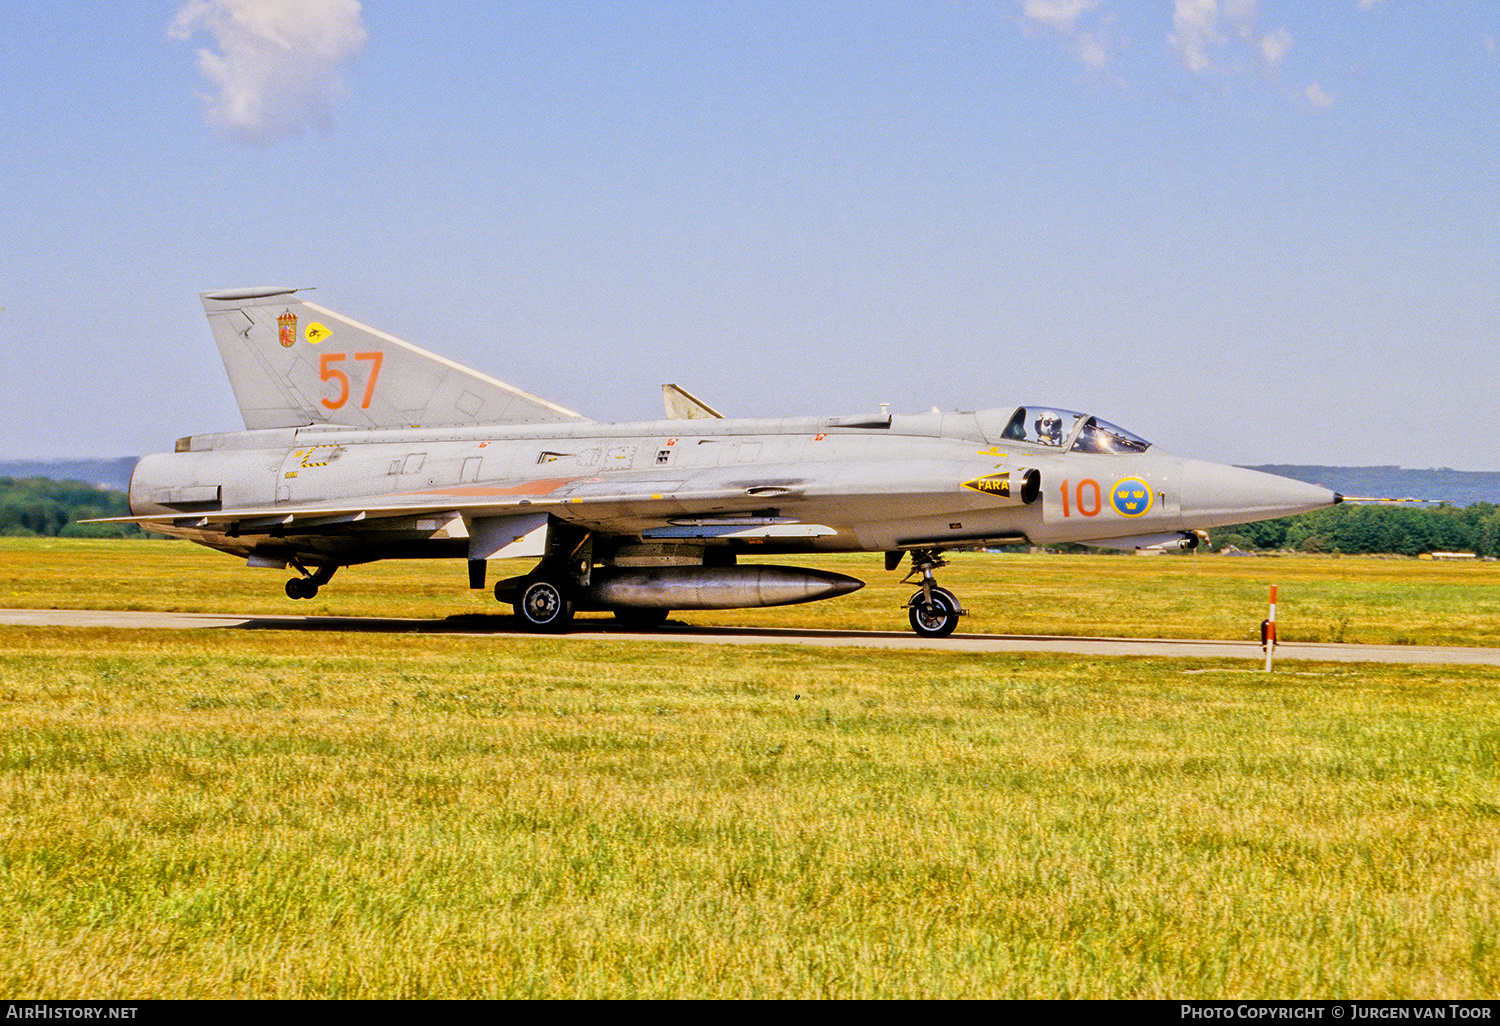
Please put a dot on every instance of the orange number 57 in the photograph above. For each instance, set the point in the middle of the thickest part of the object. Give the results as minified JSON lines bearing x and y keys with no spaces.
{"x":328,"y":372}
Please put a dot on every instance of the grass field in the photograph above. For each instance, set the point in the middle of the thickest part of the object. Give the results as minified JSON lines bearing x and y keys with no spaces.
{"x":1351,"y":599}
{"x":288,"y":814}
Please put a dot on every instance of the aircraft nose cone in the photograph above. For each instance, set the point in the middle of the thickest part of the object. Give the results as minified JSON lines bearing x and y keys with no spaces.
{"x":1214,"y":495}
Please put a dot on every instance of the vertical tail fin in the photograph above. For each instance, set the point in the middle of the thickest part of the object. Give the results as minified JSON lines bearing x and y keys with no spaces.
{"x":684,"y":405}
{"x":291,"y":362}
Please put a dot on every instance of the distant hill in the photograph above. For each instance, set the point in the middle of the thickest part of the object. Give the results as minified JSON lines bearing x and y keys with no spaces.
{"x":108,"y":473}
{"x":1460,"y":487}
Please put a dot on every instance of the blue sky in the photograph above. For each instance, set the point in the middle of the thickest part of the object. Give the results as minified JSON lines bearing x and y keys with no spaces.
{"x":1249,"y":231}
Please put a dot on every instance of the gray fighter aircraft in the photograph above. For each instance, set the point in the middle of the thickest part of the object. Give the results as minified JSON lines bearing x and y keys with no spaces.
{"x":359,"y":446}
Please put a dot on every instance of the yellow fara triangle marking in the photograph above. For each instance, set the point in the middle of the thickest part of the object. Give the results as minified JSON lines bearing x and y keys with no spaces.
{"x":316,"y":333}
{"x":991,"y":484}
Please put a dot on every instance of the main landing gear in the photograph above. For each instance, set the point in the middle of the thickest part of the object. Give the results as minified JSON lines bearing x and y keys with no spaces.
{"x":543,"y":603}
{"x":306,"y":586}
{"x":934,"y":611}
{"x":546,"y":598}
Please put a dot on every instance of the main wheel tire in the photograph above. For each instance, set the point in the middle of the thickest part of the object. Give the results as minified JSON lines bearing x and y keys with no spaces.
{"x":641,"y":619}
{"x":299,"y":588}
{"x":544,"y":606}
{"x":938,"y":620}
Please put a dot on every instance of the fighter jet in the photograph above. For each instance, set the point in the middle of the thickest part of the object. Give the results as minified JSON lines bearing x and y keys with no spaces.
{"x":359,"y":447}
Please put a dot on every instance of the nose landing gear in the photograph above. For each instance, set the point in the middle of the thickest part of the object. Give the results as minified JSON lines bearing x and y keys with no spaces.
{"x":934,"y":611}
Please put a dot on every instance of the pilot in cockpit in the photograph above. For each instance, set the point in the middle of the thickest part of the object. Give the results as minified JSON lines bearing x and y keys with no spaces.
{"x":1049,"y":428}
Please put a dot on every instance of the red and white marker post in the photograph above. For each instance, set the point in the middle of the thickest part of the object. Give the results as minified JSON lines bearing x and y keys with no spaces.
{"x":1268,"y":631}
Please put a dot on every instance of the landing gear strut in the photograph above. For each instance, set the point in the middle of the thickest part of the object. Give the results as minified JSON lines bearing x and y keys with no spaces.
{"x":546,"y":598}
{"x":308,"y":584}
{"x":934,"y":611}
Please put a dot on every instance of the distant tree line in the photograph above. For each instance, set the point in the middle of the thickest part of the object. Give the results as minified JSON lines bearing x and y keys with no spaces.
{"x":38,"y":506}
{"x":1355,"y":529}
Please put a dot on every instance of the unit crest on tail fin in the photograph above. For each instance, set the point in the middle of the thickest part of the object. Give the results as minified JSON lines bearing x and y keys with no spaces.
{"x":291,"y":363}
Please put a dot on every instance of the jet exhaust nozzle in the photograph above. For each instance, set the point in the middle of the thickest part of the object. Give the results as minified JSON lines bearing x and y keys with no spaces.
{"x":1031,"y":485}
{"x":1009,"y":487}
{"x":718,"y":587}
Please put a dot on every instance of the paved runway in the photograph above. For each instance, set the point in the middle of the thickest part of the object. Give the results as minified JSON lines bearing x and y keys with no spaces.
{"x":504,"y":626}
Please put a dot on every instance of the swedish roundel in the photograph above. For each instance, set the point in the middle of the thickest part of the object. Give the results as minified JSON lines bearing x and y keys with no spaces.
{"x":1131,"y":497}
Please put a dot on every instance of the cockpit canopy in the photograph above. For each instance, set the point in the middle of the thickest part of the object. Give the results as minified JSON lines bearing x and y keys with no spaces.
{"x":1047,"y":425}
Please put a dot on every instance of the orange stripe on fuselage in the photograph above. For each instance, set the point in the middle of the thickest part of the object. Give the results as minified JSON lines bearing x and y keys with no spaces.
{"x":542,"y":487}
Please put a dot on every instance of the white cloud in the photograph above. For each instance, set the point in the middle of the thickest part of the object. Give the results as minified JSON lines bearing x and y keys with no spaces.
{"x":1065,"y":16}
{"x":1060,"y":14}
{"x":1212,"y":38}
{"x":1201,"y":28}
{"x":275,"y":69}
{"x":1196,"y":28}
{"x":1274,"y":45}
{"x":1092,"y":50}
{"x":1240,"y":16}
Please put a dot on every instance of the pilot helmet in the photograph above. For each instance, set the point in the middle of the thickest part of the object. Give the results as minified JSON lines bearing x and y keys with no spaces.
{"x":1048,"y":424}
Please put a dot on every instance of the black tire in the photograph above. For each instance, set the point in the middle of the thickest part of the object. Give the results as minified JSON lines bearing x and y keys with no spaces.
{"x":641,"y":619}
{"x":940,"y":619}
{"x":296,"y":588}
{"x":543,"y":605}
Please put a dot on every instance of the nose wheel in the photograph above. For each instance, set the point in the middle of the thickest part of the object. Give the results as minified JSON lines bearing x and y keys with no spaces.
{"x":935,"y":616}
{"x":933,"y":611}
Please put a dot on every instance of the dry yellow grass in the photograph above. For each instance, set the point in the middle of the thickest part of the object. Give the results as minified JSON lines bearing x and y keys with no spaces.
{"x":1354,"y":599}
{"x":277,"y":814}
{"x":299,"y":814}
